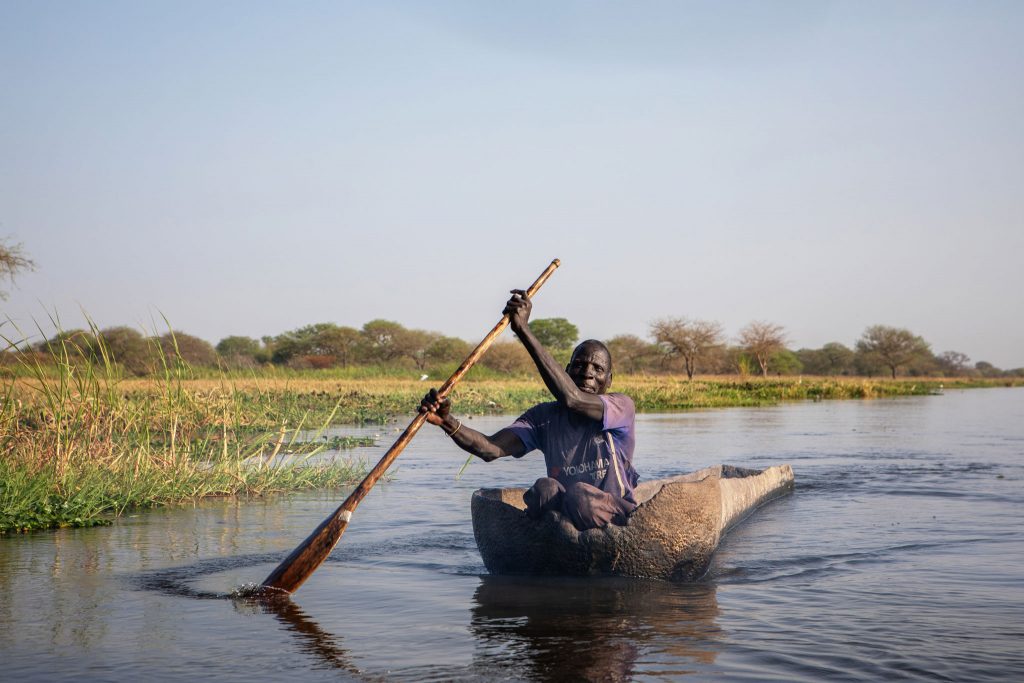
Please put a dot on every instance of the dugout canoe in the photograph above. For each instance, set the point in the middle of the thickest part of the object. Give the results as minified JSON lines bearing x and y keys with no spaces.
{"x":671,"y":535}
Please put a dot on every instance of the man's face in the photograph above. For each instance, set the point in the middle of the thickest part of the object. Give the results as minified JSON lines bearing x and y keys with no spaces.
{"x":590,"y":368}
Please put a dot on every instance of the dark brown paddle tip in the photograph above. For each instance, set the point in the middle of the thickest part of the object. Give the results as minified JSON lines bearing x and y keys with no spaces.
{"x":255,"y":591}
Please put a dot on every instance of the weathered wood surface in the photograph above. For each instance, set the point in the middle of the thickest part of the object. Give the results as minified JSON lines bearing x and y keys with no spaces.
{"x":671,"y":535}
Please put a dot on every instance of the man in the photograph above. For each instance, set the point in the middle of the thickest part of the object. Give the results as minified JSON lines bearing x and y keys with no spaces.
{"x":586,"y":434}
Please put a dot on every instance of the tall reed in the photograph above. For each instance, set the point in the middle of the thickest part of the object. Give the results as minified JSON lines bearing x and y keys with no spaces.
{"x":79,"y":443}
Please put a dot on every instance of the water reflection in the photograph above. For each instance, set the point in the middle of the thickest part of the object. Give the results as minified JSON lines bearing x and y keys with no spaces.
{"x":547,"y":629}
{"x":592,"y":629}
{"x":312,"y":639}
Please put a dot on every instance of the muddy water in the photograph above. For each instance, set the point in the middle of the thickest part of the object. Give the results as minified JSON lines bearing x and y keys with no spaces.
{"x":899,"y":556}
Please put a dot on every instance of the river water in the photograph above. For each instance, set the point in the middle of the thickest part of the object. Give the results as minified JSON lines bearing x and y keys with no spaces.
{"x":898,"y":556}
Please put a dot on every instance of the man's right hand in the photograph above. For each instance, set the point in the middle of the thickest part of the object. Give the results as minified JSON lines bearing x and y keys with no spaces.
{"x":435,"y":408}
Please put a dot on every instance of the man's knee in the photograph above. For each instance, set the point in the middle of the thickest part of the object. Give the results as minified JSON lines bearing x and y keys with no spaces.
{"x":545,"y":494}
{"x":546,"y":487}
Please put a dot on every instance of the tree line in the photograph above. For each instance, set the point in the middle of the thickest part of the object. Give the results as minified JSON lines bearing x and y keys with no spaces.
{"x":692,"y":346}
{"x":676,"y":346}
{"x":680,"y":345}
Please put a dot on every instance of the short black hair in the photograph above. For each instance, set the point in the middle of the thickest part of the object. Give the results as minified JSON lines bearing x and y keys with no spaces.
{"x":592,"y":343}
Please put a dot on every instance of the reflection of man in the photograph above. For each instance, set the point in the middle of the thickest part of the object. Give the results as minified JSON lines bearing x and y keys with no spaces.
{"x":594,"y":629}
{"x":586,"y":435}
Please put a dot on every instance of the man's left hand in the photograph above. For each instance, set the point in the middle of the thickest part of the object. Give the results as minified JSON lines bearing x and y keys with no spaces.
{"x":518,"y":310}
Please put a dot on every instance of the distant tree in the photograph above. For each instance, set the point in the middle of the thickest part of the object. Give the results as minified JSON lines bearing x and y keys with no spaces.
{"x":785,"y":362}
{"x":813,"y":361}
{"x":72,"y":345}
{"x":319,"y":345}
{"x":414,"y":344}
{"x":12,"y":261}
{"x":831,"y":359}
{"x":340,"y":343}
{"x":762,"y":340}
{"x":722,"y":360}
{"x":953,"y":363}
{"x":925,"y":364}
{"x":130,"y":349}
{"x":691,"y":340}
{"x":192,"y":350}
{"x":447,"y":350}
{"x":555,"y":333}
{"x":298,"y":343}
{"x":242,"y":352}
{"x":632,"y":354}
{"x":868,"y":364}
{"x":238,"y":346}
{"x":383,"y":339}
{"x":986,"y":369}
{"x":894,"y":347}
{"x":508,"y":357}
{"x":839,"y":357}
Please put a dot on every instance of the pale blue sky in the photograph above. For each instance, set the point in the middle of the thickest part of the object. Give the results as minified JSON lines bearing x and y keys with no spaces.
{"x":248,"y":168}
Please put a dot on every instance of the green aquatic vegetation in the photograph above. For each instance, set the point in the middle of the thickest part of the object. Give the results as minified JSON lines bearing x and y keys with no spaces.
{"x":82,"y":445}
{"x":324,"y":443}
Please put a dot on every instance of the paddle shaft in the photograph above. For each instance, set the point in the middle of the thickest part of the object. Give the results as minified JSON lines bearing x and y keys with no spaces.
{"x":311,"y":553}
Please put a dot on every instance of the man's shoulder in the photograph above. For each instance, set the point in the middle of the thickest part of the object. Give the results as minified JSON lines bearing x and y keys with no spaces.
{"x":619,"y":411}
{"x":618,"y":398}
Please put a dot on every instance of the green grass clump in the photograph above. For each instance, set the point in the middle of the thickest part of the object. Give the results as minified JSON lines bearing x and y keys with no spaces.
{"x":82,"y":445}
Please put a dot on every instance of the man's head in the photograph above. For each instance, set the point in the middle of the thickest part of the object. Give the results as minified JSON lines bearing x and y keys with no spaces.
{"x":590,"y":367}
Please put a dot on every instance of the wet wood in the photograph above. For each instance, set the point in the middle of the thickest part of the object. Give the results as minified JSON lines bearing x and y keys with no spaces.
{"x":311,"y":553}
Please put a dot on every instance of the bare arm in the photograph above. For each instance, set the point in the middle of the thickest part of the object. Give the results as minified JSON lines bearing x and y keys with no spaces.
{"x":558,"y":382}
{"x":499,"y":445}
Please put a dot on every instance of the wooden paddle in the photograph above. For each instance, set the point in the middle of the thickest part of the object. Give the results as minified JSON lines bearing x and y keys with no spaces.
{"x":311,"y":553}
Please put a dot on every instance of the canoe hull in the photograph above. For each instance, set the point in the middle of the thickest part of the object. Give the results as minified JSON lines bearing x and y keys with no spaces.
{"x":671,"y":535}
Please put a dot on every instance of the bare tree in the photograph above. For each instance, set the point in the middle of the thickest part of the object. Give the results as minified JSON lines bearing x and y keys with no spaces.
{"x":762,"y":340}
{"x":12,"y":262}
{"x":692,"y":340}
{"x":953,"y":362}
{"x":893,"y":346}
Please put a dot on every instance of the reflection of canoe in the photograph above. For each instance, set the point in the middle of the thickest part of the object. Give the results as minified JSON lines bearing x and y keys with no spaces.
{"x":522,"y":625}
{"x":671,"y":535}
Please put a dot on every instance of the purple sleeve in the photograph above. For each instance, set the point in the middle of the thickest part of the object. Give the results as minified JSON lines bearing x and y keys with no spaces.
{"x":526,"y":429}
{"x":619,"y":411}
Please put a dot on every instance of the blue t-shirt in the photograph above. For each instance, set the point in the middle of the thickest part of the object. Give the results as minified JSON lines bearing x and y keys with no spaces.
{"x":579,"y":449}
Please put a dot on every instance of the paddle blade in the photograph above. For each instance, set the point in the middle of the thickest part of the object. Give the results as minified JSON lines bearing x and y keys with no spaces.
{"x":310,"y":554}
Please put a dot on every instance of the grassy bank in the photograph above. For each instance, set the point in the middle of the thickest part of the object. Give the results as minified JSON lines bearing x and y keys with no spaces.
{"x":81,"y":445}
